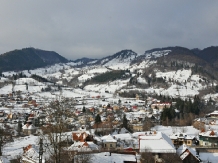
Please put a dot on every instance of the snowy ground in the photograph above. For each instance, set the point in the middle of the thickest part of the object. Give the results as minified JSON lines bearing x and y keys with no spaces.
{"x":14,"y":149}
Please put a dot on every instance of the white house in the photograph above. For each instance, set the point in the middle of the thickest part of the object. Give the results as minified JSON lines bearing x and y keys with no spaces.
{"x":156,"y":142}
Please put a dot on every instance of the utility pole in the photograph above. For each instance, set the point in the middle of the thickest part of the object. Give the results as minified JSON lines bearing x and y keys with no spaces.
{"x":1,"y":142}
{"x":40,"y":150}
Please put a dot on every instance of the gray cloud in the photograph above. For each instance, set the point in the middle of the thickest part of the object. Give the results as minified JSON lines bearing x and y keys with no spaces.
{"x":99,"y":28}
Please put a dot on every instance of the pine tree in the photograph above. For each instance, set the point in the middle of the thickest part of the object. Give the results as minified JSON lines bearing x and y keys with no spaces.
{"x":125,"y":122}
{"x":84,"y":109}
{"x":98,"y":119}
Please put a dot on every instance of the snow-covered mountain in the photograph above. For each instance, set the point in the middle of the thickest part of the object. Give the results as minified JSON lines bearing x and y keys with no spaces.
{"x":120,"y":60}
{"x":171,"y":71}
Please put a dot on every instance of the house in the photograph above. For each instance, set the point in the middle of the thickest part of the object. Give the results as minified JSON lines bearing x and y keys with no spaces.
{"x":208,"y":138}
{"x":161,"y":106}
{"x":29,"y":128}
{"x":81,"y":135}
{"x":155,"y":142}
{"x":181,"y":138}
{"x":214,"y":114}
{"x":31,"y":154}
{"x":187,"y":154}
{"x":83,"y":147}
{"x":107,"y":157}
{"x":108,"y":141}
{"x":126,"y":141}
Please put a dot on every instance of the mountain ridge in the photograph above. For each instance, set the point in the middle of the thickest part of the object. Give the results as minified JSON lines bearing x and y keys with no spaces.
{"x":29,"y":58}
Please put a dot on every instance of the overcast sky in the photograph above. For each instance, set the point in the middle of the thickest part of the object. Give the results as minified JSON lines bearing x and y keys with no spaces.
{"x":97,"y":28}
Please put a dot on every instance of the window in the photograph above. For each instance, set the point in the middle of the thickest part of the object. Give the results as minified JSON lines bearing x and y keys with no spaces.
{"x":111,"y":145}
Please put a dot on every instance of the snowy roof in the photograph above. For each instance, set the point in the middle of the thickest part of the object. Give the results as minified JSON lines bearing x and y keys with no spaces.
{"x":137,"y":134}
{"x":108,"y":138}
{"x":105,"y":157}
{"x":156,"y":142}
{"x":209,"y":133}
{"x":28,"y":126}
{"x":126,"y":136}
{"x":181,"y":135}
{"x":183,"y":151}
{"x":83,"y":146}
{"x":215,"y":112}
{"x":31,"y":155}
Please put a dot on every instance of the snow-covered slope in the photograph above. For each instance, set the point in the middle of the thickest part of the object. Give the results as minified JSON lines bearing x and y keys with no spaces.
{"x":120,"y":60}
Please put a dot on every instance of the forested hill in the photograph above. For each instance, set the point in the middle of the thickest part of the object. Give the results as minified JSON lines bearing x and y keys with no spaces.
{"x":29,"y":58}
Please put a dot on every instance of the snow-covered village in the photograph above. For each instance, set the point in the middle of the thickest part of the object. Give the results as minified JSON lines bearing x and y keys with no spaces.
{"x":58,"y":114}
{"x":108,"y":81}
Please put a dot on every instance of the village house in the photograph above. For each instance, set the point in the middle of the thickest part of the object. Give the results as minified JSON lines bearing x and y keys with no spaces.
{"x":30,"y":154}
{"x":81,"y":135}
{"x":208,"y":138}
{"x":83,"y":147}
{"x":187,"y":154}
{"x":108,"y":142}
{"x":214,"y":114}
{"x":179,"y":139}
{"x":156,"y":143}
{"x":29,"y":128}
{"x":160,"y":106}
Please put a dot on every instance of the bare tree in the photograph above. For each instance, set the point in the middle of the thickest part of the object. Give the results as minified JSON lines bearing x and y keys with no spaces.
{"x":147,"y":157}
{"x":170,"y":158}
{"x":54,"y":133}
{"x":147,"y":124}
{"x":83,"y":158}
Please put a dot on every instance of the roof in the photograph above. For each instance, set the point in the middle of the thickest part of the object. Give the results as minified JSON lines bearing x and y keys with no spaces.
{"x":31,"y":154}
{"x":181,"y":135}
{"x":156,"y":142}
{"x":108,"y":139}
{"x":26,"y":126}
{"x":183,"y":151}
{"x":83,"y":146}
{"x":215,"y":112}
{"x":209,"y":133}
{"x":105,"y":157}
{"x":126,"y":136}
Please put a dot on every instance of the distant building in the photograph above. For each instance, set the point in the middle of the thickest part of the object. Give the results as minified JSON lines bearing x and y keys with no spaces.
{"x":31,"y":154}
{"x":108,"y":141}
{"x":160,"y":106}
{"x":81,"y":135}
{"x":187,"y":154}
{"x":83,"y":147}
{"x":208,"y":138}
{"x":179,"y":139}
{"x":214,"y":114}
{"x":156,"y":142}
{"x":29,"y":128}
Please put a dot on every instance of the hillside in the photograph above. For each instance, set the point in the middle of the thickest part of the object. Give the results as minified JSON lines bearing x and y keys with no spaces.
{"x":210,"y":55}
{"x":28,"y":58}
{"x":170,"y":71}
